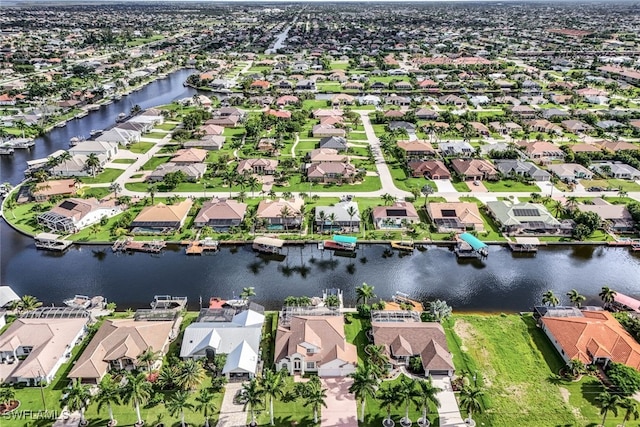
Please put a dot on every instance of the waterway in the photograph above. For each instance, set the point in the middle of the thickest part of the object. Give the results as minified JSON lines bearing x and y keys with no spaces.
{"x":502,"y":282}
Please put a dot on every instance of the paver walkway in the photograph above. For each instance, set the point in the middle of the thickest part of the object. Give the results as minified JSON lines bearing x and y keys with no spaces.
{"x":341,"y":407}
{"x":231,"y":415}
{"x":448,"y":411}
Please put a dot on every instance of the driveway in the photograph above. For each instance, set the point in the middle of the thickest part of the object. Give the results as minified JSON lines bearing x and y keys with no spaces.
{"x":231,"y":415}
{"x":445,"y":186}
{"x":480,"y":188}
{"x":341,"y":407}
{"x":448,"y":412}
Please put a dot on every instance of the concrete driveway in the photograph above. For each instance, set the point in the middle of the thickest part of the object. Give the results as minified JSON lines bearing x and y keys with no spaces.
{"x":341,"y":407}
{"x":448,"y":412}
{"x":480,"y":188}
{"x":445,"y":186}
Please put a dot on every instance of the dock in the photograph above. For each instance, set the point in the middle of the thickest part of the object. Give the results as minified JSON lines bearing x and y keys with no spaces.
{"x":525,"y":244}
{"x":469,"y":246}
{"x":51,"y":242}
{"x":268,"y":245}
{"x":130,"y":245}
{"x":199,"y":247}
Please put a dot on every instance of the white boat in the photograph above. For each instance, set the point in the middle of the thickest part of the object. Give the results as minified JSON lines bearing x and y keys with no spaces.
{"x":117,"y":97}
{"x":95,"y":132}
{"x":83,"y":301}
{"x":121,"y":117}
{"x":61,"y":124}
{"x":74,"y":141}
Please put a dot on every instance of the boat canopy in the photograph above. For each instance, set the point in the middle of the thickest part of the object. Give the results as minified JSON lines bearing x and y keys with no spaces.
{"x":473,"y":241}
{"x":269,"y":241}
{"x":345,"y":239}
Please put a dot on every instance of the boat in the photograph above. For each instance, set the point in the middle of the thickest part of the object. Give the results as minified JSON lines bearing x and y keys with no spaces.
{"x":22,"y":142}
{"x":341,"y":243}
{"x":82,"y":114}
{"x":635,"y":246}
{"x":61,"y":124}
{"x":75,"y":141}
{"x":469,"y":246}
{"x":4,"y":189}
{"x":6,"y":149}
{"x":51,"y":242}
{"x":95,"y":132}
{"x":403,"y":245}
{"x":117,"y":97}
{"x":83,"y":301}
{"x":267,"y":245}
{"x":198,"y":247}
{"x":121,"y":117}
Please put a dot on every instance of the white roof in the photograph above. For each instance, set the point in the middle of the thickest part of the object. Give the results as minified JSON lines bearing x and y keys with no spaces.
{"x":242,"y":358}
{"x":248,"y":318}
{"x":7,"y":295}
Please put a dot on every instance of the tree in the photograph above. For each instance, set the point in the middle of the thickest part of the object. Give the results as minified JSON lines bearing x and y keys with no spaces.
{"x":426,"y":191}
{"x":190,"y":374}
{"x":322,"y":217}
{"x":137,"y":391}
{"x":550,"y":299}
{"x":364,"y":292}
{"x":26,"y":303}
{"x":625,"y":379}
{"x":575,"y":298}
{"x":608,"y":403}
{"x":427,"y":393}
{"x":386,"y":398}
{"x":332,"y":301}
{"x":351,"y":211}
{"x":405,"y":392}
{"x":607,"y":295}
{"x":152,"y":189}
{"x":78,"y":398}
{"x":108,"y":394}
{"x":7,"y":395}
{"x":248,"y":292}
{"x":253,"y":183}
{"x":388,"y":199}
{"x":557,"y":208}
{"x":470,"y":400}
{"x":173,"y":179}
{"x":285,"y":213}
{"x":115,"y":188}
{"x":535,"y":197}
{"x":177,"y":404}
{"x":271,"y":383}
{"x":439,"y":310}
{"x":377,"y":358}
{"x":315,"y":396}
{"x":364,"y":386}
{"x":630,"y":407}
{"x":252,"y":397}
{"x":148,"y":357}
{"x":92,"y":163}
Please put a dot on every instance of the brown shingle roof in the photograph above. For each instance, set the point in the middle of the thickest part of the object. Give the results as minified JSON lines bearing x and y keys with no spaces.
{"x":165,"y":213}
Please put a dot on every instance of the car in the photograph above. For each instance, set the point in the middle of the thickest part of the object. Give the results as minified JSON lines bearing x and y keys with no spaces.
{"x":595,"y":189}
{"x":476,"y":183}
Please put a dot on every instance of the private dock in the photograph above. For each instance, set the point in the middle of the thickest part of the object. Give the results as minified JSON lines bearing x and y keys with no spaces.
{"x":525,"y":244}
{"x":199,"y":247}
{"x":130,"y":245}
{"x":51,"y":242}
{"x":469,"y":246}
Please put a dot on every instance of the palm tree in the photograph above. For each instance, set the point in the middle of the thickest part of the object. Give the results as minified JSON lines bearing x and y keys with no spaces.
{"x":7,"y":395}
{"x":426,"y":190}
{"x":322,"y":217}
{"x":78,"y":398}
{"x":608,"y":403}
{"x":137,"y":391}
{"x":92,"y":162}
{"x":470,"y":400}
{"x":252,"y":396}
{"x":575,"y":297}
{"x":622,"y":193}
{"x":377,"y":358}
{"x":405,"y":392}
{"x":387,"y":399}
{"x":550,"y":299}
{"x":253,"y":183}
{"x":27,"y":303}
{"x":571,"y":203}
{"x":190,"y":374}
{"x":351,"y":211}
{"x":364,"y":386}
{"x":557,"y":208}
{"x":388,"y":199}
{"x":285,"y":213}
{"x":630,"y":407}
{"x":152,"y":189}
{"x":535,"y":197}
{"x":148,"y":356}
{"x":427,"y":393}
{"x":315,"y":396}
{"x":248,"y":292}
{"x":64,"y":158}
{"x":115,"y":188}
{"x":177,"y":404}
{"x":108,"y":394}
{"x":607,"y":295}
{"x":271,"y":383}
{"x":205,"y":404}
{"x":364,"y":292}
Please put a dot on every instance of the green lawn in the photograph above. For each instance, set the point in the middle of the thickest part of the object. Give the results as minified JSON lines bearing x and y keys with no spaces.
{"x":370,"y":183}
{"x":168,"y":126}
{"x":123,"y":161}
{"x":356,"y":137}
{"x":286,"y":410}
{"x":624,"y":184}
{"x":354,"y":328}
{"x":154,"y":162}
{"x":508,"y":185}
{"x":141,"y":147}
{"x":460,"y":186}
{"x":107,"y":175}
{"x":155,"y":135}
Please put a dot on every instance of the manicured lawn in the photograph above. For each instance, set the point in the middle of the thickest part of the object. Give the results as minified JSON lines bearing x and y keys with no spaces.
{"x":613,"y":183}
{"x":168,"y":126}
{"x":107,"y":175}
{"x":141,"y":147}
{"x":354,"y":136}
{"x":154,"y":162}
{"x":460,"y":186}
{"x":354,"y":328}
{"x":286,"y":410}
{"x":155,"y":135}
{"x":370,"y":183}
{"x":510,"y":185}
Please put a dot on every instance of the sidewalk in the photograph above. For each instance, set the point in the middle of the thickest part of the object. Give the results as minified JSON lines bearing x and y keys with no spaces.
{"x":448,"y":411}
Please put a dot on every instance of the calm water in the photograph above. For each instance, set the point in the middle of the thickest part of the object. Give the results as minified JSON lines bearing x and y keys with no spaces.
{"x":500,"y":283}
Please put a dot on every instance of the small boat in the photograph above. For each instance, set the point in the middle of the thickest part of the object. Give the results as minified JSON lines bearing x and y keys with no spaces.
{"x":403,"y":245}
{"x":82,"y":114}
{"x":74,"y":141}
{"x":61,"y":124}
{"x":121,"y":117}
{"x":635,"y":246}
{"x":469,"y":246}
{"x":267,"y":245}
{"x":117,"y":97}
{"x":6,"y":149}
{"x":341,"y":243}
{"x":95,"y":132}
{"x":83,"y":301}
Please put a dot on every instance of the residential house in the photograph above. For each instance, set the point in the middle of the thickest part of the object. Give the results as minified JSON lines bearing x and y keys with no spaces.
{"x":279,"y":114}
{"x":189,"y":156}
{"x":321,"y":113}
{"x":431,"y":169}
{"x":281,"y":214}
{"x":315,"y":344}
{"x":337,"y":143}
{"x":331,"y":172}
{"x":617,"y":217}
{"x":400,"y":101}
{"x":545,"y":126}
{"x":344,"y":216}
{"x":584,"y":148}
{"x":211,"y":129}
{"x":325,"y":130}
{"x":402,"y":125}
{"x":162,"y":218}
{"x":417,"y":149}
{"x":455,"y":216}
{"x":426,"y":114}
{"x":287,"y":99}
{"x":474,"y":169}
{"x":325,"y":155}
{"x":523,"y":111}
{"x":452,"y":100}
{"x":107,"y":149}
{"x":512,"y":168}
{"x":223,"y":331}
{"x":616,"y":170}
{"x":33,"y":348}
{"x":77,"y":166}
{"x":342,"y":99}
{"x":257,"y":166}
{"x":207,"y":142}
{"x":576,"y":126}
{"x":73,"y":214}
{"x":221,"y":214}
{"x":192,"y":172}
{"x":42,"y":191}
{"x":552,"y":113}
{"x":542,"y":152}
{"x":395,"y":217}
{"x":616,"y":146}
{"x":407,"y":338}
{"x":116,"y":135}
{"x":306,"y":85}
{"x":118,"y":345}
{"x":525,"y":218}
{"x":570,"y":171}
{"x":456,"y":149}
{"x":505,"y":128}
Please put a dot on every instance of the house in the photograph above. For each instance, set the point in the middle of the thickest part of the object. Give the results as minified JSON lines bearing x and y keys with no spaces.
{"x":225,"y":121}
{"x":118,"y":344}
{"x":192,"y":172}
{"x":617,"y":217}
{"x":570,"y":171}
{"x":593,"y":337}
{"x":260,"y":85}
{"x":616,"y":146}
{"x":33,"y":348}
{"x":402,"y":125}
{"x":431,"y":169}
{"x":140,"y":127}
{"x":279,"y":114}
{"x":395,"y":217}
{"x":77,"y":166}
{"x":505,"y":128}
{"x":117,"y":136}
{"x":409,"y":338}
{"x":189,"y":156}
{"x":315,"y":344}
{"x":257,"y":166}
{"x":576,"y":126}
{"x":400,"y":101}
{"x":584,"y":148}
{"x":287,"y":99}
{"x":456,"y":149}
{"x":58,"y":187}
{"x":161,"y":218}
{"x":207,"y":142}
{"x":325,"y":155}
{"x":474,"y":169}
{"x":325,"y":130}
{"x":223,"y":331}
{"x":542,"y":152}
{"x":306,"y":85}
{"x":337,"y":143}
{"x":73,"y":214}
{"x":426,"y":114}
{"x":211,"y":129}
{"x":99,"y":148}
{"x":512,"y":168}
{"x":281,"y":214}
{"x":452,"y":100}
{"x":455,"y":216}
{"x":551,"y":113}
{"x":545,"y":126}
{"x":616,"y":170}
{"x":525,"y":218}
{"x":220,"y":214}
{"x":418,"y":149}
{"x":320,"y":113}
{"x":331,"y":172}
{"x":342,"y":99}
{"x":344,"y":216}
{"x":523,"y":111}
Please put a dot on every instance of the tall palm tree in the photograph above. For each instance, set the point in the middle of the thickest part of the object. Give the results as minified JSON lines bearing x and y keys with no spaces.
{"x":205,"y":404}
{"x":190,"y":374}
{"x":322,"y":217}
{"x":470,"y":400}
{"x":608,"y":403}
{"x":557,"y":208}
{"x":78,"y":398}
{"x":252,"y":397}
{"x":148,"y":356}
{"x":427,"y":393}
{"x":388,"y":199}
{"x":364,"y":386}
{"x":177,"y":403}
{"x":115,"y":188}
{"x":405,"y":392}
{"x":575,"y":298}
{"x":248,"y":292}
{"x":253,"y":183}
{"x":108,"y":394}
{"x":27,"y":303}
{"x":377,"y":358}
{"x":571,"y":203}
{"x":64,"y":158}
{"x":426,"y":190}
{"x":285,"y":213}
{"x":271,"y":384}
{"x":364,"y":292}
{"x":152,"y":189}
{"x":630,"y":407}
{"x":315,"y":396}
{"x":387,"y":398}
{"x":137,"y":391}
{"x":92,"y":163}
{"x":351,"y":211}
{"x":550,"y":299}
{"x":607,"y":295}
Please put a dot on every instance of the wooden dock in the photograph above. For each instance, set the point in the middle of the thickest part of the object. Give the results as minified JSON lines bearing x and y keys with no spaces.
{"x":130,"y":245}
{"x":199,"y":247}
{"x":51,"y":242}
